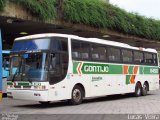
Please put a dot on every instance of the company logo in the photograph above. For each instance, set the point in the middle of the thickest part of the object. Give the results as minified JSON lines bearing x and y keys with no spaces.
{"x":91,"y":68}
{"x":102,"y":69}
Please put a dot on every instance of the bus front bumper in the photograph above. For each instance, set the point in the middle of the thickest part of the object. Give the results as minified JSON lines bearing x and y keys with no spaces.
{"x":34,"y":95}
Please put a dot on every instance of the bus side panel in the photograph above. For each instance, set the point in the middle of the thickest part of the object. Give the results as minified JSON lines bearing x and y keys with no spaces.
{"x":63,"y":89}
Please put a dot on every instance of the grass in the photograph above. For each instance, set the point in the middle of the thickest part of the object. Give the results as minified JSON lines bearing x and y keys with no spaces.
{"x":99,"y":14}
{"x":94,"y":13}
{"x":2,"y":4}
{"x":44,"y":9}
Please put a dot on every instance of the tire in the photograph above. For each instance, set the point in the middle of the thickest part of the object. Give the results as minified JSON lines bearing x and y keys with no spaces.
{"x":138,"y":90}
{"x":145,"y":89}
{"x":77,"y":96}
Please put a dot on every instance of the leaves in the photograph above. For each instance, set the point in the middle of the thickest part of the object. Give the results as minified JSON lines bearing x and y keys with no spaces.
{"x":44,"y":9}
{"x":94,"y":13}
{"x":2,"y":4}
{"x":99,"y":14}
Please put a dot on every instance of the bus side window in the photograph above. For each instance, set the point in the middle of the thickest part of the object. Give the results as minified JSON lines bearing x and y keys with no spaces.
{"x":84,"y":51}
{"x":148,"y":58}
{"x":127,"y":56}
{"x":114,"y":54}
{"x":76,"y":50}
{"x":154,"y":59}
{"x":138,"y":57}
{"x":98,"y":53}
{"x":80,"y":50}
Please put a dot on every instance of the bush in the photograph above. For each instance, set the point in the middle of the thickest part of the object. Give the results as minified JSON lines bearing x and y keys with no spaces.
{"x":99,"y":14}
{"x":94,"y":13}
{"x":44,"y":9}
{"x":2,"y":4}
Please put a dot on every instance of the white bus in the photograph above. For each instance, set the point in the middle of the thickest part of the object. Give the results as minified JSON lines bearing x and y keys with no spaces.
{"x":53,"y":67}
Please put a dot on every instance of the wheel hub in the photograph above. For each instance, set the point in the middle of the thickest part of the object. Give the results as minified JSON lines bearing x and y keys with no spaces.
{"x":76,"y":94}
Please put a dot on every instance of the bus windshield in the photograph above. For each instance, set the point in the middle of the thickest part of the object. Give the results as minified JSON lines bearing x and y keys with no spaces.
{"x":29,"y":67}
{"x":39,"y":59}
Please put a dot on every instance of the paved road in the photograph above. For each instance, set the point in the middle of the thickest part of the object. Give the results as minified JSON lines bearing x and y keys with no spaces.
{"x":117,"y":104}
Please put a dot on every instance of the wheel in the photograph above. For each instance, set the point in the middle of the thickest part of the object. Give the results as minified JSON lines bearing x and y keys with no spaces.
{"x":138,"y":90}
{"x":77,"y":96}
{"x":144,"y":89}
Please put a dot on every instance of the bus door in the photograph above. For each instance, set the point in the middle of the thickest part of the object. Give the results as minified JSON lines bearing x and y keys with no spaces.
{"x":58,"y":65}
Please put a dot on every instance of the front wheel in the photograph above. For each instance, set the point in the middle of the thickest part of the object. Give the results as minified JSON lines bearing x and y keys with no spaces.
{"x":77,"y":95}
{"x":138,"y":90}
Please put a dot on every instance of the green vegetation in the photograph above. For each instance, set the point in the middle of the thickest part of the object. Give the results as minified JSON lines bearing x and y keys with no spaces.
{"x":2,"y":4}
{"x":94,"y":13}
{"x":44,"y":9}
{"x":99,"y":14}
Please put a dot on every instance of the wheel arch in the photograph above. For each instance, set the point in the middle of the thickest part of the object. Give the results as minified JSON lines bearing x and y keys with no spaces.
{"x":82,"y":86}
{"x":139,"y":83}
{"x":146,"y":82}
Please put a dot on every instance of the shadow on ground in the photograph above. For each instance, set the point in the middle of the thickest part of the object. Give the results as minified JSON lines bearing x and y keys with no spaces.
{"x":86,"y":101}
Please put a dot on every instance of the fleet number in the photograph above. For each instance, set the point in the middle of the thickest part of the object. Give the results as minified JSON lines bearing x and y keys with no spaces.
{"x":153,"y":70}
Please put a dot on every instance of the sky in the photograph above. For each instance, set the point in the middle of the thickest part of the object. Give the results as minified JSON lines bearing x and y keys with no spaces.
{"x":148,"y":8}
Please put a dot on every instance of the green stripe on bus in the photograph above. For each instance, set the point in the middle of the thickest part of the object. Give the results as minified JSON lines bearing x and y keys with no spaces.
{"x":24,"y":84}
{"x":9,"y":83}
{"x":19,"y":83}
{"x":130,"y":71}
{"x":115,"y":69}
{"x":128,"y":79}
{"x":148,"y":70}
{"x":95,"y":68}
{"x":75,"y":65}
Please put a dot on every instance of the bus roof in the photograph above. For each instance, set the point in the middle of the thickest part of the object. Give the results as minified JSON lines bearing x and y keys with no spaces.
{"x":94,"y":40}
{"x":44,"y":35}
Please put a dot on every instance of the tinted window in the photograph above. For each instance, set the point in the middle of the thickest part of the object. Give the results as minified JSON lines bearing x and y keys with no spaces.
{"x":76,"y":48}
{"x":85,"y":50}
{"x":148,"y":58}
{"x":34,"y":44}
{"x":127,"y":56}
{"x":138,"y":57}
{"x":114,"y":54}
{"x":58,"y":67}
{"x":155,"y":59}
{"x":98,"y":52}
{"x":80,"y":50}
{"x":59,"y":44}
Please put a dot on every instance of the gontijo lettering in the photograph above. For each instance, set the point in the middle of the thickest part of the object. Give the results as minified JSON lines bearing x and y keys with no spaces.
{"x":90,"y":68}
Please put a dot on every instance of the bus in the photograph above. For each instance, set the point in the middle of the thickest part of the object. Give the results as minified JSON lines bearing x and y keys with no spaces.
{"x":53,"y":67}
{"x":5,"y":70}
